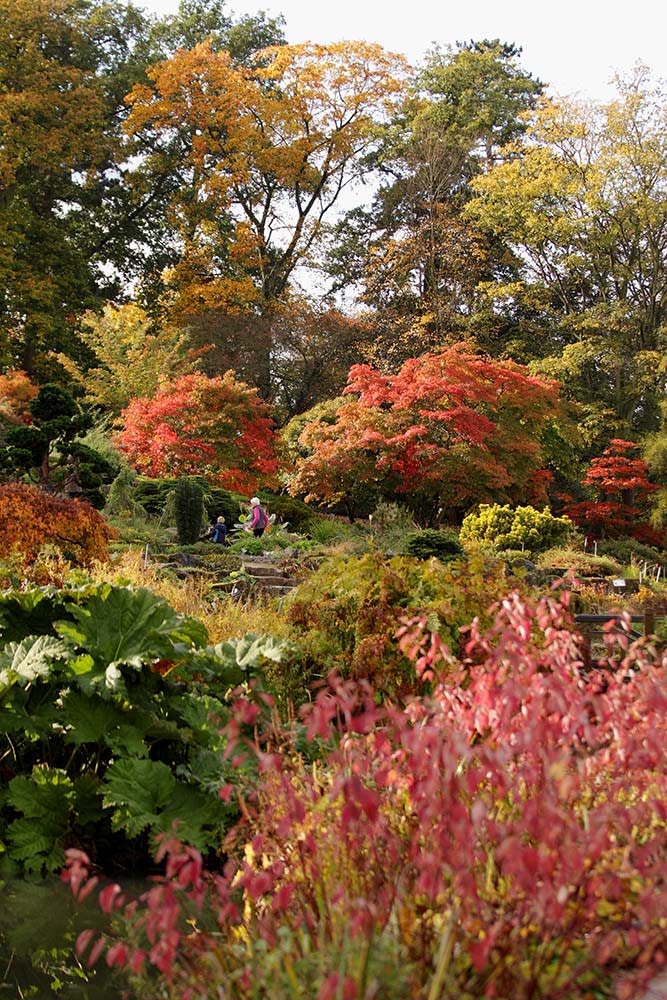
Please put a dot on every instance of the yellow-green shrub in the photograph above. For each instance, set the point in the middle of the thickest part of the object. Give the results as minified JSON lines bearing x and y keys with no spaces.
{"x":504,"y":527}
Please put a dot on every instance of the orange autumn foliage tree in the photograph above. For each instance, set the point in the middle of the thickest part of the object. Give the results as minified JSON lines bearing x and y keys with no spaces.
{"x":197,"y":425}
{"x":263,"y":153}
{"x":31,"y":518}
{"x":17,"y":391}
{"x":451,"y":429}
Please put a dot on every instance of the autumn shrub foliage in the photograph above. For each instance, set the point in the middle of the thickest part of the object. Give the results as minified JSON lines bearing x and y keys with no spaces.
{"x":345,"y":616}
{"x":197,"y":425}
{"x":450,"y":429}
{"x":500,"y":836}
{"x":17,"y":390}
{"x":31,"y":518}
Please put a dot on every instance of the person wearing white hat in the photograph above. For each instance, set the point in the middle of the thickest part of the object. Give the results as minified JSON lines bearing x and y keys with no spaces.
{"x":259,"y":520}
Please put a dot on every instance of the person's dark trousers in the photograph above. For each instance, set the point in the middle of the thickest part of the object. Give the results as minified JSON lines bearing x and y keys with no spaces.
{"x":258,"y":532}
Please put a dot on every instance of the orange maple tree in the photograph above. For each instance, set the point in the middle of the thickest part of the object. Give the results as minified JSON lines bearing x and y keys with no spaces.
{"x":263,"y":153}
{"x":17,"y":390}
{"x":216,"y":427}
{"x":451,"y":429}
{"x":31,"y":518}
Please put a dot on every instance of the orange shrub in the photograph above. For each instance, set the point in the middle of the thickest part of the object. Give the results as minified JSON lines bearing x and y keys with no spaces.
{"x":16,"y":393}
{"x":30,"y":518}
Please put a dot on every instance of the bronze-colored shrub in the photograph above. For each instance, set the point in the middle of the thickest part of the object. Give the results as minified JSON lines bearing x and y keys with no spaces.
{"x":31,"y":518}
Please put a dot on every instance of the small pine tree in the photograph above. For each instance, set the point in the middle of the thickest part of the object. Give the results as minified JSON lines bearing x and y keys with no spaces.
{"x":189,"y":506}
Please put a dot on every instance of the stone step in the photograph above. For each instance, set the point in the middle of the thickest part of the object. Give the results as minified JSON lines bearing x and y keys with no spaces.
{"x":276,"y":590}
{"x":261,"y":569}
{"x":268,"y":577}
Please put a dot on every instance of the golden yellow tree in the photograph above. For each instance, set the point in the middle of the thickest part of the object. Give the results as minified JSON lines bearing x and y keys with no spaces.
{"x":262,"y":156}
{"x":133,"y":357}
{"x":582,"y":204}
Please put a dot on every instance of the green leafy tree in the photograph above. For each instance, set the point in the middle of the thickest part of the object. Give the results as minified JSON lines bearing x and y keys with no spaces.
{"x":132,"y":356}
{"x":50,"y":452}
{"x":197,"y":21}
{"x":416,"y":260}
{"x":65,"y":211}
{"x":581,"y":202}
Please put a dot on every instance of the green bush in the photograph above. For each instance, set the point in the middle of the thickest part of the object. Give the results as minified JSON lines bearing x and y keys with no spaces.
{"x":152,"y":495}
{"x":295,"y":513}
{"x":504,"y":527}
{"x":580,"y":563}
{"x":346,"y":615}
{"x":219,"y":502}
{"x":113,"y":707}
{"x":326,"y":531}
{"x":627,"y":550}
{"x":275,"y":541}
{"x":121,"y":496}
{"x":189,"y":509}
{"x":443,"y":544}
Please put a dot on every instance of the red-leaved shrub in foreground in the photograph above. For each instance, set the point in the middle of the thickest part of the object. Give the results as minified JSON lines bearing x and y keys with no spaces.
{"x":505,"y":836}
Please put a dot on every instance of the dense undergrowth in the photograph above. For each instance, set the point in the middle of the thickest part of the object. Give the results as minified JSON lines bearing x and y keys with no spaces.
{"x":500,"y":835}
{"x":349,"y":805}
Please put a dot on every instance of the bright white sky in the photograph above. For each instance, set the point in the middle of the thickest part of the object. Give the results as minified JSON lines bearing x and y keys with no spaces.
{"x":574,"y":46}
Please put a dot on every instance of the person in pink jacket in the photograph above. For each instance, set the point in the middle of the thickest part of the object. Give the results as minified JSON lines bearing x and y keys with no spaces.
{"x":259,"y":520}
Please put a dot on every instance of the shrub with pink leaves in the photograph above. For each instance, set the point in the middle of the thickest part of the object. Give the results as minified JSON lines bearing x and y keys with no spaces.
{"x":504,"y":836}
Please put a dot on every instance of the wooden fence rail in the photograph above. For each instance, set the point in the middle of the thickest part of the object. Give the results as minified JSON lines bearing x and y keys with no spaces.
{"x":591,"y":626}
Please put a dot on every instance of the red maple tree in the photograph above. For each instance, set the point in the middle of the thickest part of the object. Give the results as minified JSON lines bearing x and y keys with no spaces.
{"x":216,"y":427}
{"x":619,"y":481}
{"x":452,"y":428}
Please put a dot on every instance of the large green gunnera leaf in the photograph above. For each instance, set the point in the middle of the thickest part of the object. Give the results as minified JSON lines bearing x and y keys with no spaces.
{"x":45,"y":800}
{"x":124,"y":626}
{"x":144,"y":794}
{"x":23,"y":662}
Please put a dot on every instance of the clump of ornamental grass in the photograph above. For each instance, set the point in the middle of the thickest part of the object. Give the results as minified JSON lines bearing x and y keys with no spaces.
{"x":224,"y":617}
{"x":231,"y":619}
{"x":579,"y":563}
{"x":501,"y":835}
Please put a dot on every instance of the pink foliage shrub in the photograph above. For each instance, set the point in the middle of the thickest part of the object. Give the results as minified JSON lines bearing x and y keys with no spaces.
{"x":504,"y":836}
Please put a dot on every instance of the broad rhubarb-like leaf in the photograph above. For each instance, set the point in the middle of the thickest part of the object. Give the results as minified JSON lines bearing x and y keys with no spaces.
{"x":22,"y":662}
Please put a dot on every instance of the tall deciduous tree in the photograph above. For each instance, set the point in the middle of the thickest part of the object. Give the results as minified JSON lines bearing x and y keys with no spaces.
{"x":132,"y":356}
{"x":416,"y":260}
{"x":582,"y":202}
{"x":311,"y":349}
{"x":449,"y":430}
{"x":79,"y":219}
{"x":213,"y":427}
{"x":262,"y":155}
{"x":64,"y":68}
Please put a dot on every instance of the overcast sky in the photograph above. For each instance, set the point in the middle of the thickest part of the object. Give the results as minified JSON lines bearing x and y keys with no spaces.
{"x":574,"y":46}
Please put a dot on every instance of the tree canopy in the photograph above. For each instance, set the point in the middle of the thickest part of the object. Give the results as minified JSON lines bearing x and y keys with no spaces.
{"x":216,"y":427}
{"x":187,"y":195}
{"x":450,"y":429}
